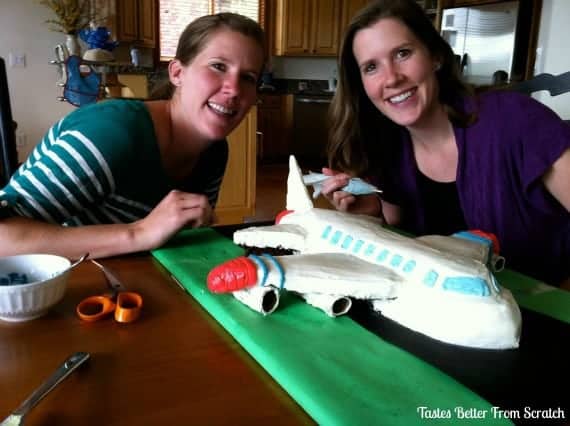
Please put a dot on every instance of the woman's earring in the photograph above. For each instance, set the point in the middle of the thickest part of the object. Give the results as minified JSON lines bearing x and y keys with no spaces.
{"x":437,"y":66}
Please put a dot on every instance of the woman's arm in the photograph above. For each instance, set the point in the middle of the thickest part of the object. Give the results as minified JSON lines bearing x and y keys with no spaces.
{"x":557,"y":179}
{"x":392,"y":213}
{"x":178,"y":209}
{"x":21,"y":235}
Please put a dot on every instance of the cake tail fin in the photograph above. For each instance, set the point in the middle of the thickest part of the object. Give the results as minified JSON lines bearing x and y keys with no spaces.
{"x":298,"y":198}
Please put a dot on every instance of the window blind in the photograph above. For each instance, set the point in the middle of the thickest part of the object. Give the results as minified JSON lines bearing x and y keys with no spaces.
{"x":174,"y":15}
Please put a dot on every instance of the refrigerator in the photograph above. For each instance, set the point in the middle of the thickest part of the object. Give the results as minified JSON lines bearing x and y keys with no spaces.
{"x":483,"y":40}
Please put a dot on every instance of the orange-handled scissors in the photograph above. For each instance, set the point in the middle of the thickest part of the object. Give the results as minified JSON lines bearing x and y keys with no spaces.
{"x":126,"y":305}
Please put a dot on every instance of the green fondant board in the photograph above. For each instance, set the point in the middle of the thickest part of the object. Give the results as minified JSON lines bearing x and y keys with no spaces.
{"x":536,"y":296}
{"x":340,"y":373}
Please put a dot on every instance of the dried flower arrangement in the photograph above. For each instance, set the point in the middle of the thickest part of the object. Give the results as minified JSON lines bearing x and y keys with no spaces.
{"x":72,"y":15}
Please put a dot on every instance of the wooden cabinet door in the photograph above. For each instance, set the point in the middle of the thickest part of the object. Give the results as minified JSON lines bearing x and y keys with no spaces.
{"x":147,"y":28}
{"x":127,"y":20}
{"x":349,"y":9}
{"x":307,"y":27}
{"x":266,"y":126}
{"x":237,"y":193}
{"x":137,"y":22}
{"x":273,"y":126}
{"x":463,"y":3}
{"x":325,"y":24}
{"x":293,"y":27}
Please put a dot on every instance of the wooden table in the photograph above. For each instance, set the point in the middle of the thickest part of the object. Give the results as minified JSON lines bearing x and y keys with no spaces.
{"x":174,"y":366}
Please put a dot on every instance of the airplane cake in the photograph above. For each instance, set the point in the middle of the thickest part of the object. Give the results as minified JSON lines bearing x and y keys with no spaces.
{"x":440,"y":286}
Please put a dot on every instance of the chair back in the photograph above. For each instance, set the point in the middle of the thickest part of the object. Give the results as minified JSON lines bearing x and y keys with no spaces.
{"x":554,"y":84}
{"x":8,"y":151}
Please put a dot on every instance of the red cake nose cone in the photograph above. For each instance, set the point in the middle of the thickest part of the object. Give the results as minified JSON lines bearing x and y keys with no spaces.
{"x":281,"y":215}
{"x":233,"y":275}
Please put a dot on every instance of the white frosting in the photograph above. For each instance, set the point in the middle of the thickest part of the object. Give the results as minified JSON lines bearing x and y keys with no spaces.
{"x":479,"y":322}
{"x":333,"y":274}
{"x":439,"y":286}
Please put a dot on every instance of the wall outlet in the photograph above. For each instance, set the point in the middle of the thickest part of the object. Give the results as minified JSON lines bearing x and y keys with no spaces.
{"x":21,"y":139}
{"x":17,"y":60}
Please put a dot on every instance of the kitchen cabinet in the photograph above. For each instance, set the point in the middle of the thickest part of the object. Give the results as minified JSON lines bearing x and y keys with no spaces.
{"x":310,"y":130}
{"x":462,"y":3}
{"x":237,"y":193}
{"x":137,"y":22}
{"x":274,"y":123}
{"x":349,"y":9}
{"x":307,"y":27}
{"x":433,"y":10}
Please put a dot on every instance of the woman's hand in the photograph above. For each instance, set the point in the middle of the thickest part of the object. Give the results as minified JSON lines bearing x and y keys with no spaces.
{"x":176,"y":211}
{"x":345,"y":201}
{"x":330,"y":189}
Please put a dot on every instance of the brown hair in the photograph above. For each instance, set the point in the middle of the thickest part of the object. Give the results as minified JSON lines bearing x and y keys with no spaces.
{"x":196,"y":35}
{"x":356,"y":124}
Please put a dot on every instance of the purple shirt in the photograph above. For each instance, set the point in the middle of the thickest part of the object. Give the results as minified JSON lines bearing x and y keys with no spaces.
{"x":502,"y":158}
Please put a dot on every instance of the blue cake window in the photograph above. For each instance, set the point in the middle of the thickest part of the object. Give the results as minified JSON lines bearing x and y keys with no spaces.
{"x":396,"y":260}
{"x":409,"y":266}
{"x":347,"y":242}
{"x":383,"y":255}
{"x":357,"y":246}
{"x":430,"y":278}
{"x":472,"y":286}
{"x":336,"y":237}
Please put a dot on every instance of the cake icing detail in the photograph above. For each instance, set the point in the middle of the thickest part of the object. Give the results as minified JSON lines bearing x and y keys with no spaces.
{"x":441,"y":286}
{"x":260,"y":268}
{"x":355,"y":186}
{"x":278,"y":268}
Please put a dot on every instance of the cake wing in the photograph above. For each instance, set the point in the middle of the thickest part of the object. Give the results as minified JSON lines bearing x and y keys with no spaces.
{"x":335,"y":274}
{"x":286,"y":236}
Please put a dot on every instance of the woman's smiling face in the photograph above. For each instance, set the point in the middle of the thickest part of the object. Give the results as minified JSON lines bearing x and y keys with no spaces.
{"x":217,"y":88}
{"x":397,"y":71}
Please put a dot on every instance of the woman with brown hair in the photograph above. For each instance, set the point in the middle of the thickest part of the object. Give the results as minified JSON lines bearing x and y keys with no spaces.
{"x":122,"y":176}
{"x":446,"y":160}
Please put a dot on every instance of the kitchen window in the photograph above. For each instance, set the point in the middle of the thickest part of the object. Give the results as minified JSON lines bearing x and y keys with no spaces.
{"x":174,"y":15}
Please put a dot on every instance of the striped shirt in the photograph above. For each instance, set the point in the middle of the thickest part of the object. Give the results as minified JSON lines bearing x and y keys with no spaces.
{"x":101,"y":164}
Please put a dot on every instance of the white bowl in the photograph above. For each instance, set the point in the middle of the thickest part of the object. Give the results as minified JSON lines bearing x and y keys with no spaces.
{"x":30,"y":284}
